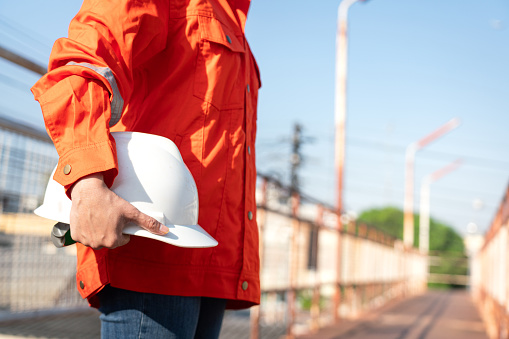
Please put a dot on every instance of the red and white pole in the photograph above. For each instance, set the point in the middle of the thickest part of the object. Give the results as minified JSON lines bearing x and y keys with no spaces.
{"x":424,"y":210}
{"x":408,"y":219}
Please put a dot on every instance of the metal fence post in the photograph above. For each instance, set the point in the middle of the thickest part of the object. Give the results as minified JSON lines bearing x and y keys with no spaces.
{"x":337,"y":287}
{"x":315,"y":301}
{"x":261,"y":217}
{"x":294,"y":268}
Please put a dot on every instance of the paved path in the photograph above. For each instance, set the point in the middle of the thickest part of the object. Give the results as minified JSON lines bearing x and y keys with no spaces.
{"x":85,"y":324}
{"x":434,"y":315}
{"x":77,"y":324}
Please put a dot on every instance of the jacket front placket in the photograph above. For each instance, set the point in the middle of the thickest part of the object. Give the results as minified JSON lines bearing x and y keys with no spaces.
{"x":248,"y":283}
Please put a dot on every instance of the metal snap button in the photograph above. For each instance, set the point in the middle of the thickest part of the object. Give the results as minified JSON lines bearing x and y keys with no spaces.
{"x":67,"y":169}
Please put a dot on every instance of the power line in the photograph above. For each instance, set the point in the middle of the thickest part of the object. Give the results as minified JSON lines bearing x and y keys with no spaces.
{"x":14,"y":83}
{"x":397,"y":188}
{"x":485,"y":161}
{"x":271,"y":142}
{"x":23,"y":34}
{"x":433,"y":155}
{"x":359,"y":189}
{"x":458,"y":212}
{"x":461,"y":140}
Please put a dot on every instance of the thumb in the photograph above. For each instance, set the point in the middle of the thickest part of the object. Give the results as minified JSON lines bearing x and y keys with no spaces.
{"x":147,"y":222}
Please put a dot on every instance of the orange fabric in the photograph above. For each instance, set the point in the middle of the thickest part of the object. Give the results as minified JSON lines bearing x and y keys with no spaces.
{"x":184,"y":70}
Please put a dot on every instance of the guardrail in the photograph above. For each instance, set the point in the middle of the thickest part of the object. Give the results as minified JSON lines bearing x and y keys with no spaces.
{"x":316,"y":270}
{"x":315,"y":267}
{"x":489,"y":274}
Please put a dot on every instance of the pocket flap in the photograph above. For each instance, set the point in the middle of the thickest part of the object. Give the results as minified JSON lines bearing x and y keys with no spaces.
{"x":213,"y":30}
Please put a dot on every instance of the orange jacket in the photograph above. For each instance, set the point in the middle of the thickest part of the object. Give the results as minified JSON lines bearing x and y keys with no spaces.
{"x":181,"y":69}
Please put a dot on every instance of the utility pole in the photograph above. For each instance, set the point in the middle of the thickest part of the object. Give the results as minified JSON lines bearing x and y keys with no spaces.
{"x":296,"y":159}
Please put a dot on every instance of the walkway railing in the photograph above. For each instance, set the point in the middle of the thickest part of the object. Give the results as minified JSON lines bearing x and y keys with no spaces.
{"x":316,"y":270}
{"x":315,"y":267}
{"x":489,"y":274}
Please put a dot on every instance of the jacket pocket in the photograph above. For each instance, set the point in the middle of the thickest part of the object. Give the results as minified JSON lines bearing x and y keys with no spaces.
{"x":220,"y":67}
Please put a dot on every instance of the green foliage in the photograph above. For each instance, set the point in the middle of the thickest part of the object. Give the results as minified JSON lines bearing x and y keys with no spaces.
{"x":450,"y":263}
{"x":305,"y":299}
{"x":444,"y":241}
{"x":388,"y":220}
{"x":443,"y":238}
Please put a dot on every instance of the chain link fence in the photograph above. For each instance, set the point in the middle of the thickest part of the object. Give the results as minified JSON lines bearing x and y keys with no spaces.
{"x":34,"y":274}
{"x":315,"y":266}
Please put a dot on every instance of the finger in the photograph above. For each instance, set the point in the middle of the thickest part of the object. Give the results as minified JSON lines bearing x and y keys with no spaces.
{"x":146,"y":222}
{"x":151,"y":224}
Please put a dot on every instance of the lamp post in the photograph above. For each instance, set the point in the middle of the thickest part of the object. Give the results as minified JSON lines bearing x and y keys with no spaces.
{"x":425,"y":202}
{"x":340,"y":94}
{"x":340,"y":118}
{"x":408,"y":219}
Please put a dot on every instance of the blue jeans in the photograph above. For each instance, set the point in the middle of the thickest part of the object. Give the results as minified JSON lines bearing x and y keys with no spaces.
{"x":129,"y":315}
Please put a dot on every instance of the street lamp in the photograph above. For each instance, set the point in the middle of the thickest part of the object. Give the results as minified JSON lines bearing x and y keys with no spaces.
{"x":340,"y":118}
{"x":340,"y":94}
{"x":425,"y":202}
{"x":408,"y":220}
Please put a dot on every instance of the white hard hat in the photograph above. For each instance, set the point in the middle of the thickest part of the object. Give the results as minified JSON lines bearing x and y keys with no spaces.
{"x":153,"y":177}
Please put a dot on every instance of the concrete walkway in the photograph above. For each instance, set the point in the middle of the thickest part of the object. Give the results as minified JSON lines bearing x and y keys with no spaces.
{"x":434,"y":315}
{"x":83,"y":324}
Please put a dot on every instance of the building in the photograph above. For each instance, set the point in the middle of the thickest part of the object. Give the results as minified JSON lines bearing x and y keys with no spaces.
{"x":27,"y":158}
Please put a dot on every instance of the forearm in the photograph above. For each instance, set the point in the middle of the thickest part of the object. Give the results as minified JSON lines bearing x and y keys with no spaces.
{"x":76,"y":111}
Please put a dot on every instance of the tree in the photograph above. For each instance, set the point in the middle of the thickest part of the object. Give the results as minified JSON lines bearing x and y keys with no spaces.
{"x":443,"y":237}
{"x":444,"y":242}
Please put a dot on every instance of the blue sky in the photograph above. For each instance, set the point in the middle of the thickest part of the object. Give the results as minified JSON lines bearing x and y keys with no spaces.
{"x":413,"y":66}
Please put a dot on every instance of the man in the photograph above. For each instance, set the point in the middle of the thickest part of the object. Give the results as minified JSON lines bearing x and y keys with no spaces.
{"x":181,"y":69}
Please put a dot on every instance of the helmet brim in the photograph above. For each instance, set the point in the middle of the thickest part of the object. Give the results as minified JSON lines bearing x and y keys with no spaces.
{"x":189,"y":236}
{"x":193,"y":236}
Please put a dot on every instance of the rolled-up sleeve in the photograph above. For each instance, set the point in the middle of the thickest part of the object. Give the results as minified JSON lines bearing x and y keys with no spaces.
{"x":90,"y":81}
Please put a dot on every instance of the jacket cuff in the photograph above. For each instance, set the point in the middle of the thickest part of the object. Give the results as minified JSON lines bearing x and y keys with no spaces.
{"x":83,"y":161}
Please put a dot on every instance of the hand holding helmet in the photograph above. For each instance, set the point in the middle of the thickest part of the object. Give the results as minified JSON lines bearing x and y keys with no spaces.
{"x":154,"y":196}
{"x":98,"y":215}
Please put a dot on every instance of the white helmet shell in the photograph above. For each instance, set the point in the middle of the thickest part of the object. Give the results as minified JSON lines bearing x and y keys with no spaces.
{"x":153,"y":177}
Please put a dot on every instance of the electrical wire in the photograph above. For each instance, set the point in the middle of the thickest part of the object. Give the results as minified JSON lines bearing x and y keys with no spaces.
{"x":25,"y":36}
{"x":430,"y":154}
{"x":11,"y":82}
